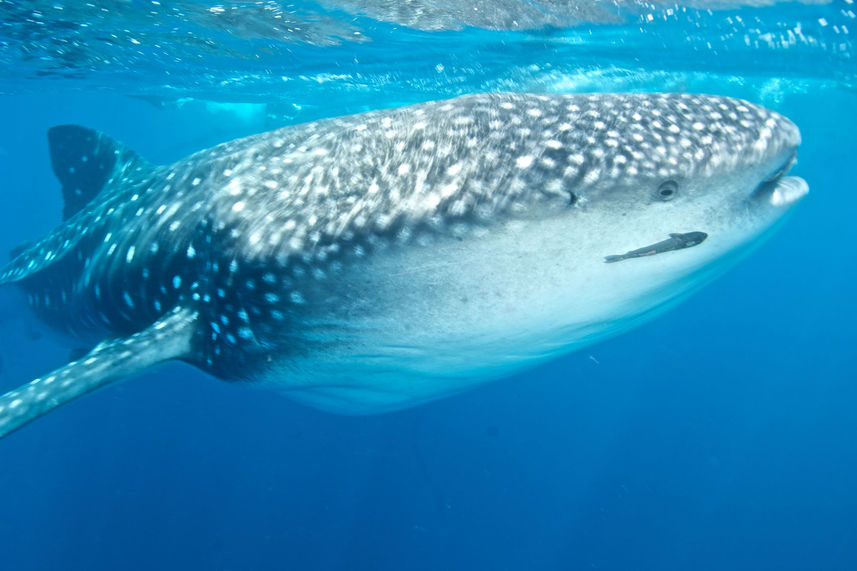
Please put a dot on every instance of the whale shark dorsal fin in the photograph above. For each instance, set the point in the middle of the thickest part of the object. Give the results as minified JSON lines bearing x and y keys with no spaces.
{"x":168,"y":338}
{"x":84,"y":160}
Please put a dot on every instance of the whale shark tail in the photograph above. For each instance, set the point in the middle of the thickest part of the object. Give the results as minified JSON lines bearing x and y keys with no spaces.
{"x":86,"y":162}
{"x":168,"y":338}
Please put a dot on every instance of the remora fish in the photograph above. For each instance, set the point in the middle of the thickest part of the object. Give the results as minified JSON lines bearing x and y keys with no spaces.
{"x":372,"y":262}
{"x":676,"y":241}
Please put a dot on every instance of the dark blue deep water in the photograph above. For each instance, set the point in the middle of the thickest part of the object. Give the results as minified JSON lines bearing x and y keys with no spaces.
{"x":722,"y":436}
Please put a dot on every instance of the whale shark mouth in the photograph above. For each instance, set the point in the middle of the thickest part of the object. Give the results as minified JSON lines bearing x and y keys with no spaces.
{"x":779,"y":189}
{"x":786,"y":167}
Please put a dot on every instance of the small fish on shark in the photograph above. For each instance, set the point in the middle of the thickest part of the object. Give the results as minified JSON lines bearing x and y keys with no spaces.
{"x":676,"y":241}
{"x":373,"y":262}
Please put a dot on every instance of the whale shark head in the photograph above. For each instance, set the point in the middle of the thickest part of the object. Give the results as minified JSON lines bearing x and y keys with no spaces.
{"x":678,"y":163}
{"x":646,"y":167}
{"x":372,"y":262}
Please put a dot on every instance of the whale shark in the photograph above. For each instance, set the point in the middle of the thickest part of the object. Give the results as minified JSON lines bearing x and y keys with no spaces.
{"x":373,"y":262}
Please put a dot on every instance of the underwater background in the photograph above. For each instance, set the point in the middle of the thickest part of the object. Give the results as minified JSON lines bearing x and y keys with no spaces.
{"x":723,"y":435}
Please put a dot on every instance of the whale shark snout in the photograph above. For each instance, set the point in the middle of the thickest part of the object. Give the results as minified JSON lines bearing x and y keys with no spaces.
{"x":372,"y":262}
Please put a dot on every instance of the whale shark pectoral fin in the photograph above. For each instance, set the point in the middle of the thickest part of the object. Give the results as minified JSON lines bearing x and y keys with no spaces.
{"x":168,"y":338}
{"x":84,"y":160}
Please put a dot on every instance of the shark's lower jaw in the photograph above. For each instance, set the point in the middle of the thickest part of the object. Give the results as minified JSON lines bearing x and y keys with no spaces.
{"x":786,"y":190}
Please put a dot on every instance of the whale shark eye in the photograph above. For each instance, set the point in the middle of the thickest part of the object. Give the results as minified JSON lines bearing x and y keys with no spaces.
{"x":667,"y":190}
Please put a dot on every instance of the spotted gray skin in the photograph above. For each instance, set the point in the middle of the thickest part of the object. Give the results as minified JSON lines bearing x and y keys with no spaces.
{"x":372,"y":262}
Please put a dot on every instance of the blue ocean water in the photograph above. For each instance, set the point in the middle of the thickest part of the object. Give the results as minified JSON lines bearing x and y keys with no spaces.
{"x":720,"y":436}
